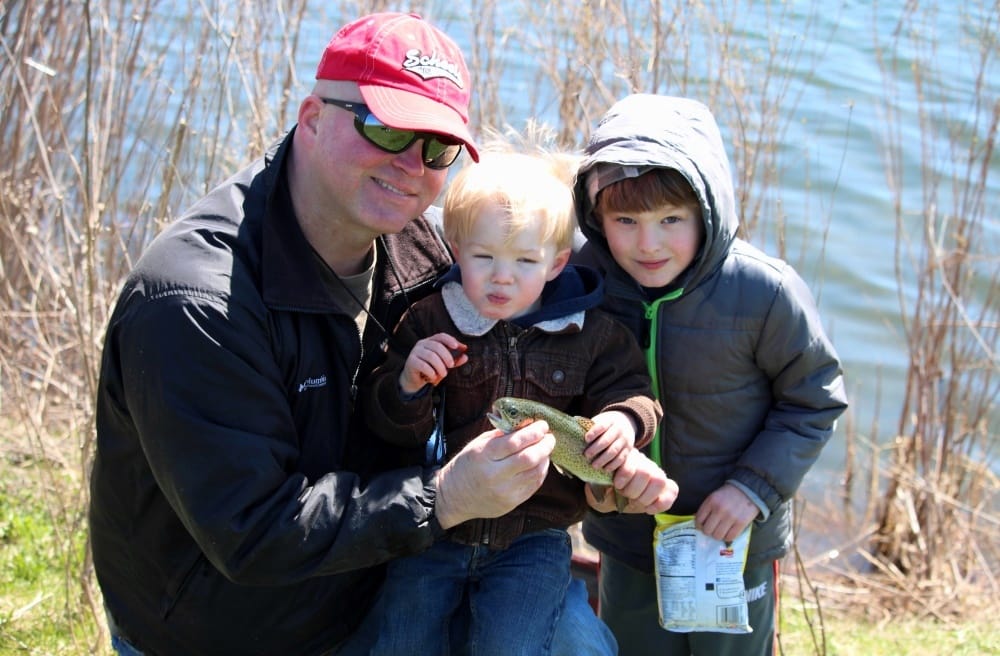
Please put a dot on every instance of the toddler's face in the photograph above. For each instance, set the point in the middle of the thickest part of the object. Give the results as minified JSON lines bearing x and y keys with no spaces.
{"x":654,"y":247}
{"x":502,"y":276}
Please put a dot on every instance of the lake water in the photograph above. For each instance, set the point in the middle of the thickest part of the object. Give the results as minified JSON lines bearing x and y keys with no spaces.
{"x":846,"y":121}
{"x":843,"y":115}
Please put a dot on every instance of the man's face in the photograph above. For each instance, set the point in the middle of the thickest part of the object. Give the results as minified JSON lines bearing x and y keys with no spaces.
{"x":654,"y":247}
{"x":361,"y":187}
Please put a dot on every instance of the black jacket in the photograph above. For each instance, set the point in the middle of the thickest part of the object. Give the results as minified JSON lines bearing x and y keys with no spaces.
{"x":229,"y":512}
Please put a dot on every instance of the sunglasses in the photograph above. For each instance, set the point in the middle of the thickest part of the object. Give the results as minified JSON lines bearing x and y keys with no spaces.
{"x":438,"y":152}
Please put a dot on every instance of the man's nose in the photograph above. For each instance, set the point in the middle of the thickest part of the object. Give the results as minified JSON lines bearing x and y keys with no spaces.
{"x":411,"y":160}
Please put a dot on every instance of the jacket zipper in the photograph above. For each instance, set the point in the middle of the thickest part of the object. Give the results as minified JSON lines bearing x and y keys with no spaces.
{"x":510,"y":346}
{"x":652,"y":321}
{"x":357,"y":369}
{"x":510,"y":359}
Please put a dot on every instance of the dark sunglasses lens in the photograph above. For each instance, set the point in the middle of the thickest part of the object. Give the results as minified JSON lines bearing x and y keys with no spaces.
{"x":437,"y":153}
{"x":440,"y":155}
{"x":386,"y":138}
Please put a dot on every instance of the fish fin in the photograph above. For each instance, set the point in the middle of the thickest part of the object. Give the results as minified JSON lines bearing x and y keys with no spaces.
{"x":564,"y":472}
{"x":584,"y":422}
{"x":620,"y":501}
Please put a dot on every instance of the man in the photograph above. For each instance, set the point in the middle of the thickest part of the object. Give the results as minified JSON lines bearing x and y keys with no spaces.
{"x":237,"y":506}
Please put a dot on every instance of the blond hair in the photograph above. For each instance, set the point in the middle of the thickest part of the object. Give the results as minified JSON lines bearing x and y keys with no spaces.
{"x":533,"y":188}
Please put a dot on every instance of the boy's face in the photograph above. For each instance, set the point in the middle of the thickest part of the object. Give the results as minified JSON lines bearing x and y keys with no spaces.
{"x":654,"y":247}
{"x":504,"y":277}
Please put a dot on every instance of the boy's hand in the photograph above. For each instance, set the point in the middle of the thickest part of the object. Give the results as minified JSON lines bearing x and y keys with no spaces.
{"x":725,"y":513}
{"x":429,"y":361}
{"x":640,"y":480}
{"x":610,"y":439}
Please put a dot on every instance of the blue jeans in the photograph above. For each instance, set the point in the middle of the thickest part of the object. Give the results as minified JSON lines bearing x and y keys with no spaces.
{"x":578,"y":632}
{"x":511,"y":598}
{"x":120,"y":645}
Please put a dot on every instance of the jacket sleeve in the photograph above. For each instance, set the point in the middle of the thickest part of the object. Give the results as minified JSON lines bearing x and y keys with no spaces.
{"x":202,"y":387}
{"x":405,"y":423}
{"x":618,"y":379}
{"x":808,"y":393}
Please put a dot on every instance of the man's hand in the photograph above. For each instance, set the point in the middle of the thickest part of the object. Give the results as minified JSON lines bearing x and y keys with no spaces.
{"x":493,"y":474}
{"x":640,"y":480}
{"x":725,"y":513}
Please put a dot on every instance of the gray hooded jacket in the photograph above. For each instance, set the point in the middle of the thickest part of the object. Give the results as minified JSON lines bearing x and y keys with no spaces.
{"x":749,"y":383}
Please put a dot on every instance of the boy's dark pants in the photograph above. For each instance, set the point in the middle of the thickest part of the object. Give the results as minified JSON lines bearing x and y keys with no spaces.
{"x":628,"y":606}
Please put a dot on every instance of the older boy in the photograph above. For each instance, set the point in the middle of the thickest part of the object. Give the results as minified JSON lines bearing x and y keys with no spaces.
{"x":749,"y":383}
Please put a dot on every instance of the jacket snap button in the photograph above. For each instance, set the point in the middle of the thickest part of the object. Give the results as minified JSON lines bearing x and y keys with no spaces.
{"x":558,"y":376}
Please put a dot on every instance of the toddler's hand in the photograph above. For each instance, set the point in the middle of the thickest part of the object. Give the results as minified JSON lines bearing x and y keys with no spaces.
{"x":610,"y":439}
{"x":429,"y":361}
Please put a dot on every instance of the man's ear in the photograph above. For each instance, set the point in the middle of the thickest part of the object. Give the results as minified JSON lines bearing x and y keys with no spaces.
{"x":562,"y":259}
{"x":309,"y":111}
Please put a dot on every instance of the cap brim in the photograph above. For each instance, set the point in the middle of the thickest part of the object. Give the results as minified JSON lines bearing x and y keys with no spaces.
{"x":603,"y":174}
{"x":410,"y":111}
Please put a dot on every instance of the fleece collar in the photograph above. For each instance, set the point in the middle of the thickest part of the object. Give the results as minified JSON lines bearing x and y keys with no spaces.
{"x":565,"y":301}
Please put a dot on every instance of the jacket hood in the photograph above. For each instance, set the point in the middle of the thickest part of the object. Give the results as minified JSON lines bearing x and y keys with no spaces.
{"x":645,"y":131}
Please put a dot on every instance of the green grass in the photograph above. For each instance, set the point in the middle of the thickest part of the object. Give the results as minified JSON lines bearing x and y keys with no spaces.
{"x":846,"y":636}
{"x":41,"y":611}
{"x":42,"y":607}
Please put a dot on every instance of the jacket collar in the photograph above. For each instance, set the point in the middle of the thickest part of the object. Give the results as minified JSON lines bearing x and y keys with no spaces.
{"x":565,"y":301}
{"x":290,"y":279}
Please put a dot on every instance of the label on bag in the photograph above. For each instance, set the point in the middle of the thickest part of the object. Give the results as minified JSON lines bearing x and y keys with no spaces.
{"x":699,"y":580}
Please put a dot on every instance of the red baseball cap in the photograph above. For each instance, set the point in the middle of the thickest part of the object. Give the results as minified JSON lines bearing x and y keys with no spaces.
{"x":412,"y":76}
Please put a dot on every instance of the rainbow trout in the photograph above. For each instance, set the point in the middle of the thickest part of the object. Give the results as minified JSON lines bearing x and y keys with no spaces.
{"x":510,"y":413}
